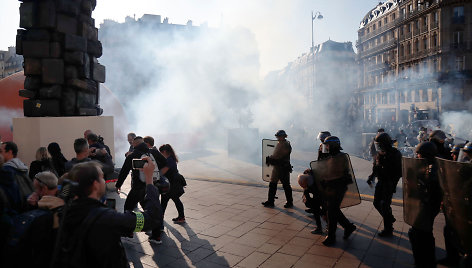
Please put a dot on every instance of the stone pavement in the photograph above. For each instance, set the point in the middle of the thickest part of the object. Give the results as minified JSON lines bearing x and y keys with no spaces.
{"x":228,"y":227}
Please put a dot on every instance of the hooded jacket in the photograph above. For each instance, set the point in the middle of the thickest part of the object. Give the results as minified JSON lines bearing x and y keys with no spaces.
{"x":19,"y":173}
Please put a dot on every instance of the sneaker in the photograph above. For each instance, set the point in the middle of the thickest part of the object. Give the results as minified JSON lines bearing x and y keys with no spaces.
{"x":329,"y":241}
{"x":179,"y":220}
{"x":268,"y":204}
{"x":348,"y":231}
{"x":155,"y":239}
{"x":386,"y":233}
{"x":317,"y":230}
{"x":288,"y":205}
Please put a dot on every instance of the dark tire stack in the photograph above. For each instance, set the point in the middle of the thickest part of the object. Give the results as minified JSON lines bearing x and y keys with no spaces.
{"x":60,"y":46}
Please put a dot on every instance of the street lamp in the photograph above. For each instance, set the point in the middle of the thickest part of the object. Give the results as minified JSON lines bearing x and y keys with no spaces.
{"x":314,"y":15}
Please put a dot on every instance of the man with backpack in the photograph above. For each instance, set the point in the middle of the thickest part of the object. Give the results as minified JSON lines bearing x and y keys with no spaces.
{"x":17,"y":170}
{"x":93,"y":231}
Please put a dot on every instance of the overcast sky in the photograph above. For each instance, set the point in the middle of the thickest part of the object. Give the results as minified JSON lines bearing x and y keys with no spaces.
{"x":282,"y":27}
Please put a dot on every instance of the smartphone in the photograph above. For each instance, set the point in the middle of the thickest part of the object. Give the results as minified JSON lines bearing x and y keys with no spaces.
{"x":138,"y":163}
{"x":111,"y":203}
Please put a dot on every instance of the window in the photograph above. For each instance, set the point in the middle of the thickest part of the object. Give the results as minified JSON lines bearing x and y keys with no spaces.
{"x":436,"y":17}
{"x":380,"y":23}
{"x":385,"y":20}
{"x":425,"y":43}
{"x":458,"y":38}
{"x":408,"y":28}
{"x":460,"y":63}
{"x":425,"y":22}
{"x":408,"y":48}
{"x":373,"y":27}
{"x":417,"y":46}
{"x":393,"y":16}
{"x":435,"y":40}
{"x":417,"y":24}
{"x":410,"y":8}
{"x":402,"y":12}
{"x":458,"y":15}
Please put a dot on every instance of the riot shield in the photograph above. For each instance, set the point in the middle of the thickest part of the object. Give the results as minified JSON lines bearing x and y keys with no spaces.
{"x":456,"y":182}
{"x":414,"y":176}
{"x":268,"y":147}
{"x":334,"y":168}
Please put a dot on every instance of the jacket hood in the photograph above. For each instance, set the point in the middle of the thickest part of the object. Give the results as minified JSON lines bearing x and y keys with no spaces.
{"x":16,"y":164}
{"x":50,"y":202}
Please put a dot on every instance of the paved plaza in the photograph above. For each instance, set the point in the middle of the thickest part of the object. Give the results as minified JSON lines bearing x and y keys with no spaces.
{"x":228,"y":227}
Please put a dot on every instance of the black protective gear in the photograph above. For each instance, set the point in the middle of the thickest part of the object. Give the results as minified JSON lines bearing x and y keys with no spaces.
{"x":323,"y":135}
{"x":437,"y":135}
{"x":427,"y":150}
{"x":384,"y":141}
{"x":334,"y":144}
{"x":423,"y":247}
{"x":468,"y":147}
{"x":281,"y":133}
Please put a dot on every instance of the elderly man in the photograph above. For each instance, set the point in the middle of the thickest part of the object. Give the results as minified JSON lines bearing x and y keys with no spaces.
{"x":45,"y":184}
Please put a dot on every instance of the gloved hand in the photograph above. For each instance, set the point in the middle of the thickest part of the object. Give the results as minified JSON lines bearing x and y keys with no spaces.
{"x":371,"y":181}
{"x":268,"y":161}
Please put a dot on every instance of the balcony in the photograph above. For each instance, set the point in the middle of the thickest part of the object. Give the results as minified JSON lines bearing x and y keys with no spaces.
{"x":434,"y":25}
{"x":378,"y":66}
{"x":377,"y":31}
{"x":405,"y":35}
{"x":383,"y":46}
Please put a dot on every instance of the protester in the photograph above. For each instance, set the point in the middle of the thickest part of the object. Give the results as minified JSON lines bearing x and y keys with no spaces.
{"x":42,"y":163}
{"x":17,"y":176}
{"x":58,"y":159}
{"x":131,"y":136}
{"x":92,"y":231}
{"x":82,"y":152}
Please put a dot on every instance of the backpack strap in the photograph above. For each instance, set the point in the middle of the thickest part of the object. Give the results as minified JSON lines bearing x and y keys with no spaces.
{"x":77,"y":258}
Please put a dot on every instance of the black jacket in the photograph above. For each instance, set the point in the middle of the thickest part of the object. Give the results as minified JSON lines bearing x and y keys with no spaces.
{"x":137,"y":153}
{"x":388,"y":167}
{"x":102,"y":245}
{"x":40,"y":166}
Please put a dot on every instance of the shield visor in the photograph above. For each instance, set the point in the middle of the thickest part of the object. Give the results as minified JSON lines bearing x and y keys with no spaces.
{"x":268,"y":147}
{"x":334,"y":168}
{"x":414,"y":177}
{"x":455,"y":179}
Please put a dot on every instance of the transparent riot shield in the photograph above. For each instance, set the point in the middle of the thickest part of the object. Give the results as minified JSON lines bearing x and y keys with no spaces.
{"x":334,"y":168}
{"x":415,"y":179}
{"x":268,"y":147}
{"x":456,"y":182}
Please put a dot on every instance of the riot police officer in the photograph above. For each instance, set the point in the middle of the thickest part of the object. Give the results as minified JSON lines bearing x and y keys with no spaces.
{"x":388,"y":170}
{"x":456,"y":149}
{"x":280,"y":159}
{"x":467,"y":152}
{"x":429,"y":190}
{"x":334,"y":191}
{"x":322,"y":136}
{"x":438,"y":137}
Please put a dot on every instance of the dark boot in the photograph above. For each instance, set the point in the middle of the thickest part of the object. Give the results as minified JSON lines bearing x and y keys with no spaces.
{"x":288,"y":195}
{"x":271,"y":195}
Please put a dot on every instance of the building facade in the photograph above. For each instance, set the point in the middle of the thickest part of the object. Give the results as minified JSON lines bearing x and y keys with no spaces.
{"x":10,"y":63}
{"x":415,"y":60}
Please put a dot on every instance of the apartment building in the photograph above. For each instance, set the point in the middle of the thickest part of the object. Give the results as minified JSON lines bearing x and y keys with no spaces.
{"x":415,"y":60}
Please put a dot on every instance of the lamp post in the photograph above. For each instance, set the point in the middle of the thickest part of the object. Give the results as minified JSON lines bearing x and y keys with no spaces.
{"x":314,"y":15}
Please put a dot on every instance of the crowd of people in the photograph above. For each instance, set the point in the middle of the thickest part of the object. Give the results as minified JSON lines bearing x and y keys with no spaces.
{"x":55,"y":213}
{"x":324,"y":190}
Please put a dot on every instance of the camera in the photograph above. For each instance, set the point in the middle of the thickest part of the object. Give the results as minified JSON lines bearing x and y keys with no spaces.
{"x":138,"y":163}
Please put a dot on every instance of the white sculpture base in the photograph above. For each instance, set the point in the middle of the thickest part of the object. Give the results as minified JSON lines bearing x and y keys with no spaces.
{"x":30,"y":133}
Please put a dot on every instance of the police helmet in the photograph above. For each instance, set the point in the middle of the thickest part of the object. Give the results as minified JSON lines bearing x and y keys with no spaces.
{"x":437,"y":135}
{"x":457,"y":148}
{"x":468,"y":147}
{"x":427,"y":150}
{"x":281,"y":133}
{"x":333,"y":142}
{"x":323,"y":135}
{"x":384,"y":141}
